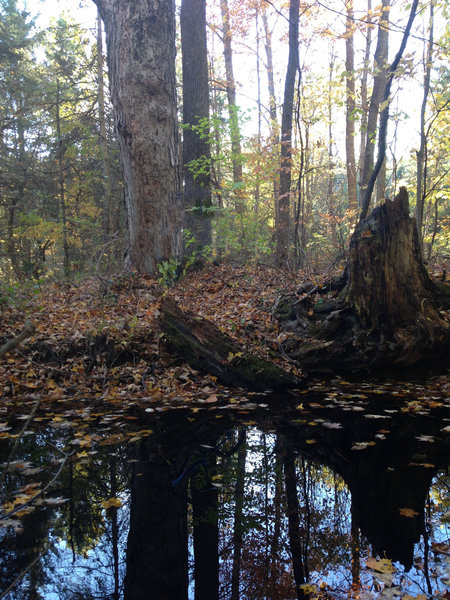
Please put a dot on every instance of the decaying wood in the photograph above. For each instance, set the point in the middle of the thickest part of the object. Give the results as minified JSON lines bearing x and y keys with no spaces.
{"x":27,"y":331}
{"x":388,"y":310}
{"x":207,"y":349}
{"x":385,"y":311}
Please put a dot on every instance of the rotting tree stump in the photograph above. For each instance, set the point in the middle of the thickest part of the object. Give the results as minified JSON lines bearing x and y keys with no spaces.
{"x":385,"y":312}
{"x":388,"y":310}
{"x":205,"y":348}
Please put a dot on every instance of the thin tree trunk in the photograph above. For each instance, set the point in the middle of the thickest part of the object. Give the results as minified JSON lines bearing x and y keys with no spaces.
{"x":196,"y":148}
{"x":62,"y":197}
{"x":216,"y":171}
{"x":274,"y":135}
{"x":258,"y":82}
{"x":275,"y":544}
{"x":10,"y":244}
{"x":355,"y":550}
{"x":350,"y":109}
{"x":381,"y":184}
{"x":283,"y":224}
{"x":293,"y":513}
{"x":114,"y":526}
{"x":238,"y":512}
{"x":364,"y":101}
{"x":384,"y":116}
{"x":330,"y":194}
{"x":108,"y":219}
{"x":379,"y":84}
{"x":420,"y":196}
{"x":232,"y":107}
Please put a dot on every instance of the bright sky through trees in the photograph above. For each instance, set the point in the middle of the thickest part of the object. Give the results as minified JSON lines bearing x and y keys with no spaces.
{"x":321,"y":36}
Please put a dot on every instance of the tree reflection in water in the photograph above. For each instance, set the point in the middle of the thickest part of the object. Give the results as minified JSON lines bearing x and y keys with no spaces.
{"x":221,"y":504}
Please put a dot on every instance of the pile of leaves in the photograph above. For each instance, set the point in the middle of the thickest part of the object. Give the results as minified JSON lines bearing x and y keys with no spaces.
{"x":101,"y":341}
{"x":98,"y":345}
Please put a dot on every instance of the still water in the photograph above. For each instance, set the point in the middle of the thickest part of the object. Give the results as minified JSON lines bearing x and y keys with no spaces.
{"x":330,"y":494}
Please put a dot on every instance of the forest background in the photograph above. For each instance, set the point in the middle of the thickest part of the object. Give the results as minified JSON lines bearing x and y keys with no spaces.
{"x":62,"y":209}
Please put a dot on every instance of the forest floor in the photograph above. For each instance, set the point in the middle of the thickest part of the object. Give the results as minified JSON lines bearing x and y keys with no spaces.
{"x":98,"y":348}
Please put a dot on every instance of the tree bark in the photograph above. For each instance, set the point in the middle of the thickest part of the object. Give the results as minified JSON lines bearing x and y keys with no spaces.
{"x":157,"y":557}
{"x":238,"y":512}
{"x":61,"y":182}
{"x":379,"y":83}
{"x":350,"y":109}
{"x":140,"y":37}
{"x":420,"y":186}
{"x":196,"y":148}
{"x":232,"y":107}
{"x":204,"y":347}
{"x":364,"y":104}
{"x":293,"y":514}
{"x":274,"y":132}
{"x":108,"y":221}
{"x":206,"y":530}
{"x":282,"y":213}
{"x":387,"y":310}
{"x":384,"y":115}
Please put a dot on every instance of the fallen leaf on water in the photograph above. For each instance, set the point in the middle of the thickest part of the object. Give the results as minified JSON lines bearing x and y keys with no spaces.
{"x":211,"y":399}
{"x":384,"y":565}
{"x":441,"y":548}
{"x":112,"y":502}
{"x":311,"y":441}
{"x":330,"y":425}
{"x":408,"y":512}
{"x":14,"y":523}
{"x":362,"y":445}
{"x":55,"y":501}
{"x":425,"y":438}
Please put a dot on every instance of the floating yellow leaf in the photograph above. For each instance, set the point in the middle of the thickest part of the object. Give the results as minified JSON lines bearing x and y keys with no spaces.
{"x":408,"y":512}
{"x":112,"y":502}
{"x":383,"y":565}
{"x":311,"y":441}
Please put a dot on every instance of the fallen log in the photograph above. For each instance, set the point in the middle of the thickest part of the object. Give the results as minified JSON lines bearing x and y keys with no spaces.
{"x":205,"y":348}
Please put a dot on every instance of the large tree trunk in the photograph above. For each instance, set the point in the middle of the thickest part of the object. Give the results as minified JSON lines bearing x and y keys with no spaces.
{"x":140,"y":37}
{"x":157,"y":557}
{"x":196,"y":149}
{"x":283,"y":208}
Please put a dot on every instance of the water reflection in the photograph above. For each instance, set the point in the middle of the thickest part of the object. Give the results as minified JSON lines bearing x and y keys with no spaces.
{"x":237,"y":503}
